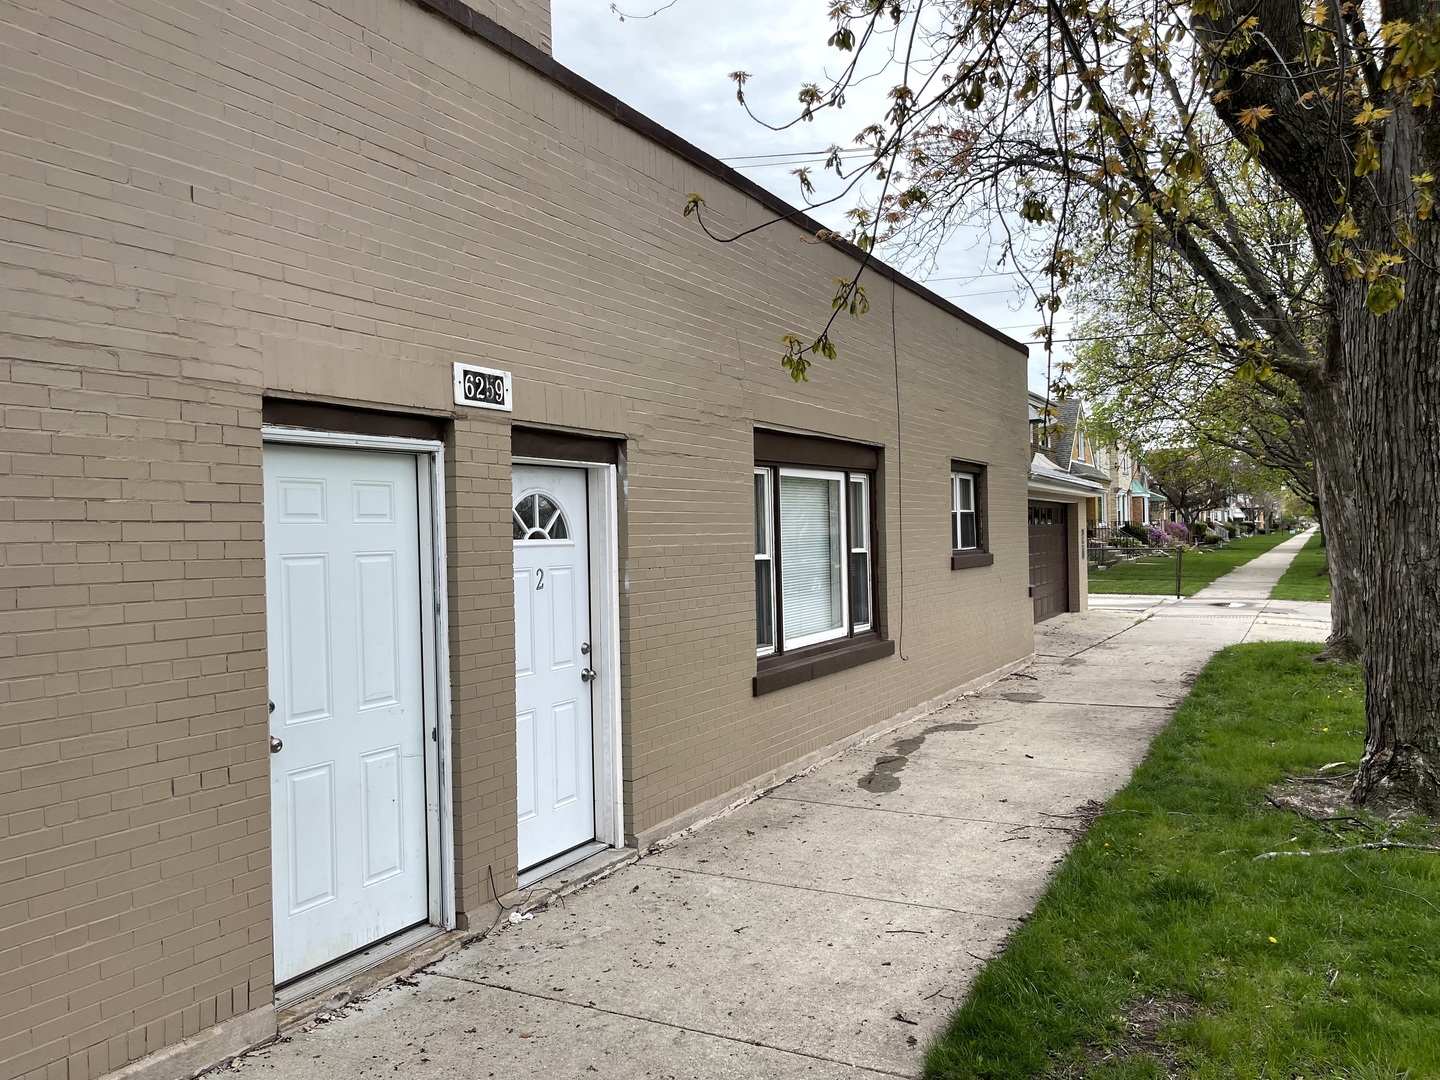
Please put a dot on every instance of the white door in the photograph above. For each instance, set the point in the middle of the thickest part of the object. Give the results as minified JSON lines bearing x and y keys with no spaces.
{"x":347,"y":764}
{"x":553,"y":663}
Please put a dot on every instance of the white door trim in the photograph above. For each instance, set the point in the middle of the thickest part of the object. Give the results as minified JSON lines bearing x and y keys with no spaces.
{"x":435,"y":646}
{"x":604,"y":516}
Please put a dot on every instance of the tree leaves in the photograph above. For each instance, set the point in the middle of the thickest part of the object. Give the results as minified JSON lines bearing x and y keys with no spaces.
{"x":1385,"y":294}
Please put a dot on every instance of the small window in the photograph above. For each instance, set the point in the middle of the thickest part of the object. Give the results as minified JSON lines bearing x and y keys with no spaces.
{"x":964,"y":520}
{"x":859,"y":513}
{"x":538,"y":517}
{"x":764,"y":565}
{"x":969,"y":545}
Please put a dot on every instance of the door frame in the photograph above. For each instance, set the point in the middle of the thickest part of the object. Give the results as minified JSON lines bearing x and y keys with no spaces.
{"x":603,"y":514}
{"x":434,"y":646}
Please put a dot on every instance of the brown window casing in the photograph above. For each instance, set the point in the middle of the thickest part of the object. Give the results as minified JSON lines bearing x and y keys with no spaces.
{"x":562,"y":446}
{"x":980,"y":555}
{"x":319,"y":416}
{"x":783,"y":448}
{"x":778,"y":450}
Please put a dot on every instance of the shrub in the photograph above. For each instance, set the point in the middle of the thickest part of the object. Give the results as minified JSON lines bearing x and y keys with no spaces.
{"x":1176,"y":533}
{"x":1136,"y":531}
{"x":1155,"y":536}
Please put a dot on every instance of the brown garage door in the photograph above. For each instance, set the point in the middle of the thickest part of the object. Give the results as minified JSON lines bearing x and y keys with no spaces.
{"x":1049,"y":560}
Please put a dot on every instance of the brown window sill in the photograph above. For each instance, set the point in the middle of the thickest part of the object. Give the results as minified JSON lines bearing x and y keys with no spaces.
{"x":790,"y":669}
{"x":963,"y":560}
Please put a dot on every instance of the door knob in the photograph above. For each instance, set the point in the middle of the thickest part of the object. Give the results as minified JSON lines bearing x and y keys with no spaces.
{"x":588,"y":674}
{"x":276,"y":745}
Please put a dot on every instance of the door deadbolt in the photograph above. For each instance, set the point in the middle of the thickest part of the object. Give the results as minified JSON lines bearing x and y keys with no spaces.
{"x":585,"y":648}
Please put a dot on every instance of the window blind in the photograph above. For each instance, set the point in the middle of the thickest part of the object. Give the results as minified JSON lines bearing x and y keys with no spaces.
{"x":810,"y":556}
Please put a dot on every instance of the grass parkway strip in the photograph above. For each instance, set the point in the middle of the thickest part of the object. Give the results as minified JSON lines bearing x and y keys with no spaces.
{"x":1155,"y":575}
{"x":1165,"y":947}
{"x":1306,"y":578}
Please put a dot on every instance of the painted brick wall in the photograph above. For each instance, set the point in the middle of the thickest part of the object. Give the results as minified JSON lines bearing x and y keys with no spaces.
{"x":134,"y":783}
{"x":203,"y":203}
{"x":530,"y":19}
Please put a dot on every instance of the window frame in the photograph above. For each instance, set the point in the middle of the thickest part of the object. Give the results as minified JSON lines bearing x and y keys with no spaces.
{"x":860,"y":541}
{"x":787,"y":663}
{"x":841,"y":477}
{"x":766,"y":530}
{"x":964,"y":558}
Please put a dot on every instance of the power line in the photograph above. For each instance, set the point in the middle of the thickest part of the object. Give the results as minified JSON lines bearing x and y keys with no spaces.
{"x":786,"y":153}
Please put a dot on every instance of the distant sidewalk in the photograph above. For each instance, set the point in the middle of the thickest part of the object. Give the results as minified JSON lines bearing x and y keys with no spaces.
{"x":1256,"y":578}
{"x":1236,"y":608}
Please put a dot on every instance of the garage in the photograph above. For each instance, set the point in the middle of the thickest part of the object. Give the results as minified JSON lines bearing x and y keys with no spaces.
{"x":1049,"y":559}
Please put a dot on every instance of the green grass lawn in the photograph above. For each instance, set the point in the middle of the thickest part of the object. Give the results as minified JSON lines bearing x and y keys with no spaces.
{"x":1156,"y":575}
{"x":1307,"y":578}
{"x":1164,"y":944}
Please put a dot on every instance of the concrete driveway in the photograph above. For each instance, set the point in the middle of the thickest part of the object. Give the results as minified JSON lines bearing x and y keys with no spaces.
{"x":825,"y":930}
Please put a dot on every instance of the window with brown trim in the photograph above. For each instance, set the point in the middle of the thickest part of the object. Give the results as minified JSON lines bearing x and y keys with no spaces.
{"x":969,"y":542}
{"x":815,"y":558}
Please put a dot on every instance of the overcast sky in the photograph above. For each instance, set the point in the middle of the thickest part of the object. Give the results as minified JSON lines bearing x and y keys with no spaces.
{"x":674,"y":68}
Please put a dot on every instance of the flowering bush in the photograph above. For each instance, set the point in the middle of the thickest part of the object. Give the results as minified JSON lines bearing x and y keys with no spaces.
{"x":1177,"y":532}
{"x":1155,"y":535}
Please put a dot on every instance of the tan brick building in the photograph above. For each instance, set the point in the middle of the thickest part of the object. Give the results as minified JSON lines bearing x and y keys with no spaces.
{"x":299,"y":654}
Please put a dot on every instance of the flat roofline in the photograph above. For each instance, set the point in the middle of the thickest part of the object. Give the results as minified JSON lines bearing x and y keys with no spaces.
{"x":495,"y":35}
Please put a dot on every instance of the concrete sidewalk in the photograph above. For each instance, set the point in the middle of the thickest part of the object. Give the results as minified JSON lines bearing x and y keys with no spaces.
{"x":1237,"y":608}
{"x":1257,"y":577}
{"x":825,"y":930}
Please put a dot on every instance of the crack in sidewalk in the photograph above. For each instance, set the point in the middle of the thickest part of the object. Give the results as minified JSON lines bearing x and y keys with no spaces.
{"x":591,"y":1007}
{"x":652,"y":865}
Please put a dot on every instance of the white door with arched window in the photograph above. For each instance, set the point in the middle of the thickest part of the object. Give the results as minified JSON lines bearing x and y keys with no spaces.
{"x":554,"y":663}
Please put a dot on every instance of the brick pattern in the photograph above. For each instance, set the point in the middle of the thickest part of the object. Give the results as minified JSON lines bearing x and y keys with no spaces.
{"x":134,"y":871}
{"x":202,"y":203}
{"x":529,"y":19}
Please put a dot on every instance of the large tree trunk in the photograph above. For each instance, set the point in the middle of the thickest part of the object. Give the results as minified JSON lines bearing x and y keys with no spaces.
{"x":1323,"y":398}
{"x":1393,"y":366}
{"x":1391,"y":362}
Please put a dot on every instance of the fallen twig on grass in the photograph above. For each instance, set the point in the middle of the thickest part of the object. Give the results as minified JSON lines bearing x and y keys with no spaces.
{"x":1377,"y":846}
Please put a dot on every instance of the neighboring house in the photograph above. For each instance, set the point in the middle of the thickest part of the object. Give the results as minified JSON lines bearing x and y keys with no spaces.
{"x":1133,"y":497}
{"x":1065,"y":489}
{"x":314,"y":640}
{"x":1080,"y":456}
{"x":1262,"y":511}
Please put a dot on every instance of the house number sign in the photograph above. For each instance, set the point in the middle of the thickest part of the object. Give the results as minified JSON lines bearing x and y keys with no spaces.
{"x":483,"y":388}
